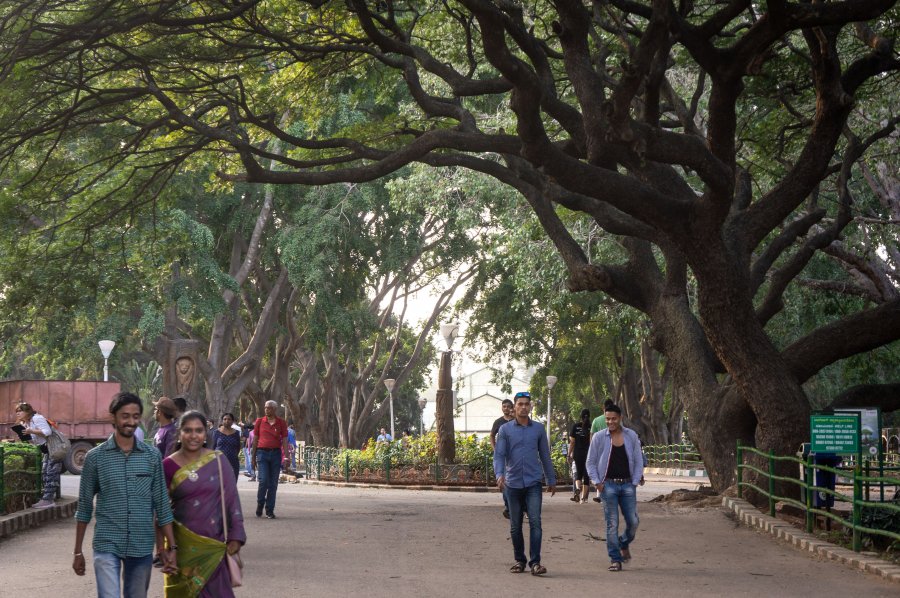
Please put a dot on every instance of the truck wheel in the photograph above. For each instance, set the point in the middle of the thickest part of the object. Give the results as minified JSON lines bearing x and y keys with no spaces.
{"x":74,"y":460}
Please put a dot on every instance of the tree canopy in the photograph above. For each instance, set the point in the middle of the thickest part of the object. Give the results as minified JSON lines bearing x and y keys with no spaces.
{"x":720,"y":142}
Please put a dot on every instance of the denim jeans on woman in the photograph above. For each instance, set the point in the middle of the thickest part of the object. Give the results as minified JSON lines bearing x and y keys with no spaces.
{"x":133,"y":571}
{"x":268,"y":470}
{"x":619,"y":495}
{"x":521,"y":500}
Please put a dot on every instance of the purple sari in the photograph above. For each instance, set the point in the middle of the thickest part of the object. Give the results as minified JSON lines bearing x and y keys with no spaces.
{"x":197,"y":505}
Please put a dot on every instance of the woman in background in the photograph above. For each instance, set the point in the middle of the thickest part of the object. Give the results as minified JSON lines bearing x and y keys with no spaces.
{"x":227,"y":440}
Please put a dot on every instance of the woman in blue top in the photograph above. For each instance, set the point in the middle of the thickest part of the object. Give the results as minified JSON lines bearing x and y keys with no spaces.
{"x":227,"y":440}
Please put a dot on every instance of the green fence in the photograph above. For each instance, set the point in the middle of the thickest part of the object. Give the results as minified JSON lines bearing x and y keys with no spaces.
{"x":677,"y":456}
{"x":346,"y":466}
{"x":863,"y":482}
{"x":20,"y":476}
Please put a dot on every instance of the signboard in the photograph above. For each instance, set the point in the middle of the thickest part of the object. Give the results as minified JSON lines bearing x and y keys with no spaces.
{"x":837,"y":433}
{"x":870,"y":429}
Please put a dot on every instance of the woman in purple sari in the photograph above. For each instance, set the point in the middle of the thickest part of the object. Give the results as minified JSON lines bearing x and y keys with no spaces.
{"x":197,"y":478}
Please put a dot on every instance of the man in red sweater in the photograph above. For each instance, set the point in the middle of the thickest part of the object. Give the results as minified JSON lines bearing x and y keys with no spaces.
{"x":269,"y":451}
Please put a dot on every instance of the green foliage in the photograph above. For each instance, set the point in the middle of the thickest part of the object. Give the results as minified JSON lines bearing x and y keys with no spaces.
{"x":422,"y":451}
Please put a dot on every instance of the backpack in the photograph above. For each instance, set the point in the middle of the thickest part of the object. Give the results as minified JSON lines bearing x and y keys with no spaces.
{"x":57,"y":443}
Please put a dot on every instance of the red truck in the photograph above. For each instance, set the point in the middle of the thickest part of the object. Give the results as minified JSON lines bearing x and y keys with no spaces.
{"x":79,"y":408}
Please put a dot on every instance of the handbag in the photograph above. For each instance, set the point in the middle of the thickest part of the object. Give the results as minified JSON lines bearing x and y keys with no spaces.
{"x":57,"y":445}
{"x":234,"y":562}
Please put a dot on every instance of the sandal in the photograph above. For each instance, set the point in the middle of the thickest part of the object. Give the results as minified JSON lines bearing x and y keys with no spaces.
{"x":615,"y":567}
{"x":538,"y":569}
{"x":517,"y":568}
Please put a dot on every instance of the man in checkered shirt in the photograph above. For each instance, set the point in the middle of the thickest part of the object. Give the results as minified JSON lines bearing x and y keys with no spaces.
{"x":127,"y":479}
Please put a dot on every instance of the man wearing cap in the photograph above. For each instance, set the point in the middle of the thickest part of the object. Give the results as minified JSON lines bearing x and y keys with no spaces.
{"x":521,"y":463}
{"x":616,"y":466}
{"x":165,"y":411}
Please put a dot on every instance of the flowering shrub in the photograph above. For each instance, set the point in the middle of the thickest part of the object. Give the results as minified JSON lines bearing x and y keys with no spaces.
{"x":421,"y":451}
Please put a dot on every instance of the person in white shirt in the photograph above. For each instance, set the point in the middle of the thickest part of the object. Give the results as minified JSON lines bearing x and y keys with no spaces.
{"x":37,"y":426}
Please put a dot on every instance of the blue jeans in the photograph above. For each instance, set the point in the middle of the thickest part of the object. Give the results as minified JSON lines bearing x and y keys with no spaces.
{"x":519,"y":501}
{"x":617,"y":496}
{"x":134,"y":571}
{"x":268,"y":469}
{"x":248,"y":462}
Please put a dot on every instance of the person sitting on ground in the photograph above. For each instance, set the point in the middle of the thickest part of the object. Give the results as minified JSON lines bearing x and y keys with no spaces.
{"x":384,"y":436}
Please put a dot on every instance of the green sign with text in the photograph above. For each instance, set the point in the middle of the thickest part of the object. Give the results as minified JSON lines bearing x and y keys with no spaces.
{"x":837,"y":433}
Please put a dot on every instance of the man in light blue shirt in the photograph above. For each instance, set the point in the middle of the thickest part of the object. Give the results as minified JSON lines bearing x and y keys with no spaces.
{"x":521,"y":463}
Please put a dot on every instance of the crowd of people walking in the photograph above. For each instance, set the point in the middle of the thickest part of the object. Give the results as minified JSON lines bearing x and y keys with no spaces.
{"x":178,"y":493}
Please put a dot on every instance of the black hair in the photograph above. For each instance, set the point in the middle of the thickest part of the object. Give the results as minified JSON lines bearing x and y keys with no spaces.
{"x":612,"y":408}
{"x":125,"y":398}
{"x":181,"y":403}
{"x":230,"y":414}
{"x":507,"y":401}
{"x":585,"y":415}
{"x":606,"y":404}
{"x":188,"y":416}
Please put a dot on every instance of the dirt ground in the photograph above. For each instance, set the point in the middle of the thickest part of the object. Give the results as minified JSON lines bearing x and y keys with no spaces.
{"x":331,"y":541}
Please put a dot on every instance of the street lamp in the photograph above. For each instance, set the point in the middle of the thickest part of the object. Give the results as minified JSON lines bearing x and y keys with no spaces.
{"x":551,"y":382}
{"x":422,"y":402}
{"x":449,"y":332}
{"x":389,"y":383}
{"x":106,"y":348}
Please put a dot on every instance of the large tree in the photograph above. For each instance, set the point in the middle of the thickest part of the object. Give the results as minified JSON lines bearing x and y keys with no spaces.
{"x":651,"y":117}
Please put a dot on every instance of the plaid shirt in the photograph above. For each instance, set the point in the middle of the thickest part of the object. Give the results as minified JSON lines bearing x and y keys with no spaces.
{"x":130,"y":490}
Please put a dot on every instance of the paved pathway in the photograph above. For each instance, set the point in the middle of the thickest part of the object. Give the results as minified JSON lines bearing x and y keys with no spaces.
{"x":331,"y":541}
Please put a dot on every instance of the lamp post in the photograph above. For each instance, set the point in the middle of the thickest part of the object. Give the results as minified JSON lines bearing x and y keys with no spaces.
{"x":422,"y":402}
{"x":106,"y":348}
{"x":445,"y":405}
{"x":551,"y":382}
{"x":389,"y":383}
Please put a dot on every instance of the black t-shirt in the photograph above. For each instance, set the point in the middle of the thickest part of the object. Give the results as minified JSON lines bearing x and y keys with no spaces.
{"x":496,"y":427}
{"x":582,"y":436}
{"x":618,"y":464}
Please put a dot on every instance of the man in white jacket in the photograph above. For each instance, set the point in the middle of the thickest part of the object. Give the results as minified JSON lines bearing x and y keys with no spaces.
{"x":615,"y":465}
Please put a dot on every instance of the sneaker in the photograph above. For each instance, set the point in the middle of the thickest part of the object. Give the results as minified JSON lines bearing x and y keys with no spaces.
{"x":506,"y":513}
{"x":43,"y":504}
{"x":574,"y":499}
{"x":253,"y":478}
{"x":584,"y":501}
{"x":270,"y":515}
{"x":597,"y":499}
{"x":259,"y":510}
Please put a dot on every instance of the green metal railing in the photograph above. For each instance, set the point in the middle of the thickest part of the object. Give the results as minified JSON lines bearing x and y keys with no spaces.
{"x":857,"y":477}
{"x":20,"y":476}
{"x":678,"y":456}
{"x":324,"y":463}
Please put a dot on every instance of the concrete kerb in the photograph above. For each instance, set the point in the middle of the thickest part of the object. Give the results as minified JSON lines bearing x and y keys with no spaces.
{"x":668,"y":471}
{"x":750,"y":516}
{"x":21,"y":520}
{"x":434,"y":487}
